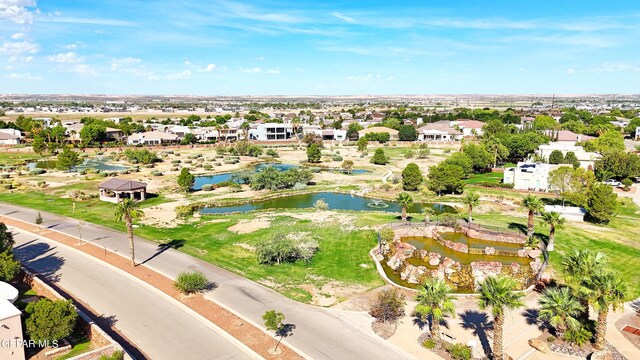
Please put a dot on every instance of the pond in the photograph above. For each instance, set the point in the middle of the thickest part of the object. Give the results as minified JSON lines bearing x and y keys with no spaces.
{"x":472,"y":243}
{"x":336,"y":201}
{"x":224,"y":177}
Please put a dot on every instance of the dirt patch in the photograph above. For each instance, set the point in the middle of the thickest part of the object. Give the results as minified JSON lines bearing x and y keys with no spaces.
{"x":246,"y":227}
{"x":332,"y":293}
{"x":383,"y":330}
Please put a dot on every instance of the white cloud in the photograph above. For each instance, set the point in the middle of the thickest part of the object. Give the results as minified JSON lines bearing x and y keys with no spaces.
{"x":84,"y":69}
{"x":24,"y":76}
{"x":71,"y":46}
{"x":617,"y":67}
{"x":17,"y":11}
{"x":179,"y":76}
{"x":273,"y":71}
{"x":19,"y":47}
{"x":118,"y":63}
{"x":56,"y":18}
{"x":253,"y":70}
{"x":344,"y":17}
{"x":570,"y":71}
{"x":209,"y":68}
{"x":21,"y":59}
{"x":18,"y":36}
{"x":67,"y":58}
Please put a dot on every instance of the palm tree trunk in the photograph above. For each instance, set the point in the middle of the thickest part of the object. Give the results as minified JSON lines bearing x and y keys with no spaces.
{"x":130,"y":235}
{"x":552,"y":239}
{"x":470,"y":212}
{"x":435,"y":329}
{"x":404,"y":213}
{"x":498,"y":322}
{"x":601,"y":329}
{"x":530,"y":224}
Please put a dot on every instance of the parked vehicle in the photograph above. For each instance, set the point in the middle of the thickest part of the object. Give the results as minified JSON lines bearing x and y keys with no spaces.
{"x":613,"y":182}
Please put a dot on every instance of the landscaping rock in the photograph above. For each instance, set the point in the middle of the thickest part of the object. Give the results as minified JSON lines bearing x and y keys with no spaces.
{"x":483,"y":269}
{"x":489,"y":250}
{"x":434,"y":261}
{"x":394,"y":262}
{"x":539,"y":345}
{"x":515,"y":267}
{"x":535,"y":253}
{"x":601,"y":355}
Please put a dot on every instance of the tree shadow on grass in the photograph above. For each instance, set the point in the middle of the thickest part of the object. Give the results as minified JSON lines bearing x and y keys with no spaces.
{"x":173,"y":244}
{"x":480,"y":324}
{"x":517,"y":226}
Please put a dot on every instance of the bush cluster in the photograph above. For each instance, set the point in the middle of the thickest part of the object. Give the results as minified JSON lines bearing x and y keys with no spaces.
{"x":280,"y":249}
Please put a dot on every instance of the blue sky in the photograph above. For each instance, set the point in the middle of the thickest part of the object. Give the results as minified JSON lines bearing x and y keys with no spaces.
{"x":228,"y":47}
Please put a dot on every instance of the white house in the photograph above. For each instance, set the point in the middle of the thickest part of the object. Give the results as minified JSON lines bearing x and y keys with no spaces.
{"x":572,"y":213}
{"x":529,"y":176}
{"x":152,"y":138}
{"x":439,"y":131}
{"x":326,"y":134}
{"x":271,"y":131}
{"x":10,"y":137}
{"x":10,"y":324}
{"x":587,"y":159}
{"x":469,"y":127}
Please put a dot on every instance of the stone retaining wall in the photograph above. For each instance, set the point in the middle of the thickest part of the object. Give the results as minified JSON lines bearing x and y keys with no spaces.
{"x":104,"y":343}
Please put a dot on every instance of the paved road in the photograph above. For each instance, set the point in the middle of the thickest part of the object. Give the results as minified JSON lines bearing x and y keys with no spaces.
{"x":150,"y":320}
{"x":319,"y":333}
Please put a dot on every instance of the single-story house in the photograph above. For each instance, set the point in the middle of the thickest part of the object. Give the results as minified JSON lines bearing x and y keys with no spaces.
{"x":325,"y":134}
{"x":393,"y":133}
{"x":10,"y":137}
{"x":115,"y":189}
{"x":567,"y":137}
{"x":439,"y":131}
{"x":152,"y":138}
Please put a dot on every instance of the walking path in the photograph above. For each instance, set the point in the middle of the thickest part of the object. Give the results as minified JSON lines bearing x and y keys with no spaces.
{"x":318,"y":333}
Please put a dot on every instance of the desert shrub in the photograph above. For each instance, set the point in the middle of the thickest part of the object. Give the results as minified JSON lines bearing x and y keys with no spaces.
{"x":450,"y":220}
{"x":116,"y":355}
{"x":320,"y":204}
{"x":143,"y":156}
{"x":208,"y":167}
{"x":459,"y":351}
{"x":387,"y":234}
{"x":299,"y":186}
{"x":37,"y":172}
{"x":551,"y":338}
{"x":156,"y":173}
{"x":280,"y":249}
{"x":175,"y":161}
{"x":336,"y":157}
{"x":234,"y":187}
{"x":388,"y":306}
{"x":272,"y":153}
{"x":207,"y":187}
{"x":217,"y":164}
{"x":409,"y":154}
{"x":191,"y":282}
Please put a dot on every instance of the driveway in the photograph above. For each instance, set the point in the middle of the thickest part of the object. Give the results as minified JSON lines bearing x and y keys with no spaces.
{"x":319,"y":333}
{"x":147,"y":317}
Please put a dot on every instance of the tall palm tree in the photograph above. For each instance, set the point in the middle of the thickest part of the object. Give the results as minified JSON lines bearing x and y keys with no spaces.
{"x":434,"y":300}
{"x":128,"y":210}
{"x":498,"y":293}
{"x":579,"y":265}
{"x":605,"y":290}
{"x":532,"y":204}
{"x":427,"y":212}
{"x":555,"y":222}
{"x":405,"y":200}
{"x":245,"y":126}
{"x":560,"y":309}
{"x":471,"y":200}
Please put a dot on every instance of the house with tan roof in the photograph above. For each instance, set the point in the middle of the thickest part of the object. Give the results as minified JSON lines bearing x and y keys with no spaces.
{"x":10,"y":137}
{"x":469,"y":127}
{"x":439,"y":131}
{"x":152,"y":138}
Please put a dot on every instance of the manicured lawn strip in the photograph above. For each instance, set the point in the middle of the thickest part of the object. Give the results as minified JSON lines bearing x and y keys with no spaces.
{"x":17,"y":158}
{"x":490,"y":177}
{"x":77,"y":349}
{"x":621,"y":247}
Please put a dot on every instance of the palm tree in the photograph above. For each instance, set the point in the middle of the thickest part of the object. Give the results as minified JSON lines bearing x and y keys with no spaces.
{"x":471,"y":200}
{"x":128,"y":210}
{"x":434,"y":300}
{"x":427,"y":212}
{"x":560,"y":309}
{"x":605,"y":289}
{"x":555,"y":222}
{"x":245,"y":126}
{"x":405,"y":200}
{"x":579,"y":265}
{"x":498,"y":293}
{"x":533,"y":204}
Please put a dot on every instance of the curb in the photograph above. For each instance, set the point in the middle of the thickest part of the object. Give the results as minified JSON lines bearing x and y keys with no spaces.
{"x":240,"y":345}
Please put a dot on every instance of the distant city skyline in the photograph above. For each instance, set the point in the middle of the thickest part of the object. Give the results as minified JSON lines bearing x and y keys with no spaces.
{"x":319,"y":48}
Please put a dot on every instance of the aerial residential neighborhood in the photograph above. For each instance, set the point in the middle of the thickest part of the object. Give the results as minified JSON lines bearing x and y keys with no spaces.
{"x":281,"y":180}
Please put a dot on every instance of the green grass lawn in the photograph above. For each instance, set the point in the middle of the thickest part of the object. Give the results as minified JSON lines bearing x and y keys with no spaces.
{"x":17,"y":158}
{"x":618,"y":240}
{"x":78,"y":348}
{"x":489,"y":177}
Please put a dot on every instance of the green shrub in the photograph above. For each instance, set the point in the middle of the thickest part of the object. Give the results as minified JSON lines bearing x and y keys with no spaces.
{"x":50,"y":320}
{"x":272,"y":153}
{"x":429,"y":344}
{"x":208,"y":167}
{"x":578,"y":336}
{"x":459,"y":351}
{"x":37,"y":172}
{"x":207,"y":187}
{"x":191,"y":282}
{"x":280,"y":249}
{"x":156,"y":173}
{"x":116,"y":355}
{"x":551,"y":338}
{"x":387,"y":234}
{"x":143,"y":156}
{"x":336,"y":157}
